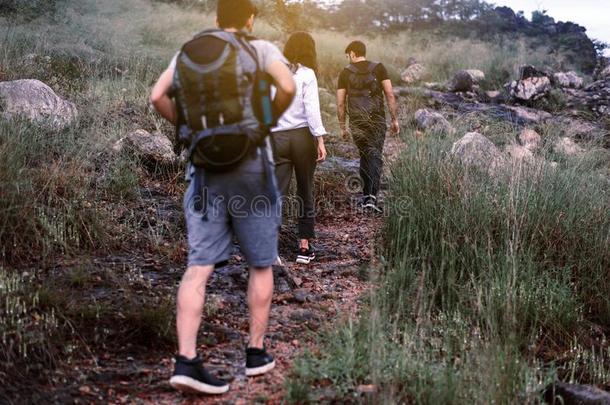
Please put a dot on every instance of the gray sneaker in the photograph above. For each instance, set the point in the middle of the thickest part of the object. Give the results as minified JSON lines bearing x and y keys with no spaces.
{"x":369,"y":203}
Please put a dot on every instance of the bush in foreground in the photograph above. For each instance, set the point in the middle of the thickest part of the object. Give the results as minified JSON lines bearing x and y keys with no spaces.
{"x":488,"y":282}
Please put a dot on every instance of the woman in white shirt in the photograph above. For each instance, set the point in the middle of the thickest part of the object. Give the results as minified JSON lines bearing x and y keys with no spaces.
{"x":298,"y":138}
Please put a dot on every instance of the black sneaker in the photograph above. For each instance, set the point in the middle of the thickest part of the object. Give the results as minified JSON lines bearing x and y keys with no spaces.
{"x":305,"y":256}
{"x":369,"y":203}
{"x":191,"y":376}
{"x":258,"y":362}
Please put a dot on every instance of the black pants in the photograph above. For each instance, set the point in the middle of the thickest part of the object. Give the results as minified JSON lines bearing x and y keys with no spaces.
{"x":297,"y":150}
{"x":369,"y":137}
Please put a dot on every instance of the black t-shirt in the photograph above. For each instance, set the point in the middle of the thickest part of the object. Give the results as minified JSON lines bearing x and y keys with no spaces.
{"x":380,"y":72}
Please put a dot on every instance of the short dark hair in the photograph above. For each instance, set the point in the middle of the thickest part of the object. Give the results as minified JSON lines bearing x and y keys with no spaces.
{"x":357,"y":47}
{"x":234,"y":13}
{"x":301,"y":48}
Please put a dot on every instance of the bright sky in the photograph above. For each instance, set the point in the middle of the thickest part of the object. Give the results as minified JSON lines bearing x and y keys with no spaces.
{"x":592,"y":14}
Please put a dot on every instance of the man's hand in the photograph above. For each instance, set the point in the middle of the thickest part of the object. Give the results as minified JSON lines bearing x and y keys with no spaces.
{"x":391,"y":100}
{"x":321,"y":149}
{"x":341,"y":97}
{"x":395,"y":127}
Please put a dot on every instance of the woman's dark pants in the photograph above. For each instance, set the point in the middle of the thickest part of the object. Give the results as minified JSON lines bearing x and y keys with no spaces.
{"x":297,"y":150}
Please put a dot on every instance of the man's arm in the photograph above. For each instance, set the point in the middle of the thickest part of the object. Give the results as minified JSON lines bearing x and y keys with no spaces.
{"x":341,"y":96}
{"x":284,"y":83}
{"x":159,"y":96}
{"x":391,"y":100}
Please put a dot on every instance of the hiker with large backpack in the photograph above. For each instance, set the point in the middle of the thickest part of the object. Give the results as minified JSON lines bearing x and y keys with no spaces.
{"x":217,"y":93}
{"x":299,"y":138}
{"x":363,"y":84}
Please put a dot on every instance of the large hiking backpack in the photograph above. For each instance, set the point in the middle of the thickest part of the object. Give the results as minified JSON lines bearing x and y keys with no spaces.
{"x":364,"y":95}
{"x":223,"y":99}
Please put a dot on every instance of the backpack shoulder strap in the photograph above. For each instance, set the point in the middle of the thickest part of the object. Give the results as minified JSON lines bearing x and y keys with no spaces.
{"x":240,"y":41}
{"x":372,"y":66}
{"x":352,"y":68}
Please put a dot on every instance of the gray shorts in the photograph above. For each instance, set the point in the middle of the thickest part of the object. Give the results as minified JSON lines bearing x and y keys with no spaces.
{"x":240,"y":204}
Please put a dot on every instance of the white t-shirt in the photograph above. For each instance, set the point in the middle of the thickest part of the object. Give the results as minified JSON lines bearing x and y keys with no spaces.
{"x":305,"y":108}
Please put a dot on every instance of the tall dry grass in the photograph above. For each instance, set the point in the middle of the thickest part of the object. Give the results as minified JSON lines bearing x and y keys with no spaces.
{"x":490,"y":288}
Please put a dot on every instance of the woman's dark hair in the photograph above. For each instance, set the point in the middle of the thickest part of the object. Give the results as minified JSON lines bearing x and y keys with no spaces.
{"x":301,"y":48}
{"x":234,"y":13}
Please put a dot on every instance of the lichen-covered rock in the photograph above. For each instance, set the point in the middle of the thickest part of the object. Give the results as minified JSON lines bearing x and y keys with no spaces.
{"x":530,"y":89}
{"x":465,"y":80}
{"x":432,"y":121}
{"x":413,"y":73}
{"x":568,"y":80}
{"x":153,"y":148}
{"x":530,"y":140}
{"x":474,"y":149}
{"x":37,"y":102}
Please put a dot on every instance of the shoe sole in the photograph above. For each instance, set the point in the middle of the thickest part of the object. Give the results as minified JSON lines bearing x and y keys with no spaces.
{"x":190,"y":385}
{"x":254,"y":371}
{"x":373,"y":208}
{"x":304,"y":259}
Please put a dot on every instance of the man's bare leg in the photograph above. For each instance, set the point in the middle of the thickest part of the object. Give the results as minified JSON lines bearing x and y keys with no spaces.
{"x":191,"y":297}
{"x":260,"y":292}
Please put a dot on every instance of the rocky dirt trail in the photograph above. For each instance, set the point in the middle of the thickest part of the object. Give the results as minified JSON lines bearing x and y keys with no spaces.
{"x":307,"y":300}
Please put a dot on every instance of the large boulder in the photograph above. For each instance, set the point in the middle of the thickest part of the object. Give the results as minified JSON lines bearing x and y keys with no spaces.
{"x":530,"y":140}
{"x":474,"y":149}
{"x":568,"y":80}
{"x":432,"y":121}
{"x":150,"y":147}
{"x":37,"y":102}
{"x":465,"y":80}
{"x":530,"y":89}
{"x":413,"y":73}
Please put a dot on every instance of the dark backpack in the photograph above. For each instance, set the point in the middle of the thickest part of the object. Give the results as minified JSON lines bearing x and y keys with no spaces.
{"x":364,"y":95}
{"x":222,"y":98}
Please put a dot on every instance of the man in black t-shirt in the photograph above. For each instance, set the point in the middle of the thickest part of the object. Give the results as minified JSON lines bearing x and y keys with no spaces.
{"x":360,"y":95}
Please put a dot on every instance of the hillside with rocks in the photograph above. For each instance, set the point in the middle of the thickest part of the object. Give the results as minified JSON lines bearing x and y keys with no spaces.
{"x":484,"y":281}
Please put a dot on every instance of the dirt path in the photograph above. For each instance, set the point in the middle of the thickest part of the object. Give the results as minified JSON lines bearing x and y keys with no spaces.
{"x":307,"y":300}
